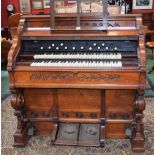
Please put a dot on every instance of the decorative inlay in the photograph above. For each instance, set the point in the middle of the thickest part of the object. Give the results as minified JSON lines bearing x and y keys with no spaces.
{"x":99,"y":77}
{"x":41,"y":76}
{"x":80,"y":76}
{"x":113,"y":25}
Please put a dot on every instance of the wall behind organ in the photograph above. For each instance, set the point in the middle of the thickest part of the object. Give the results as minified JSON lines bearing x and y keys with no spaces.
{"x":4,"y":13}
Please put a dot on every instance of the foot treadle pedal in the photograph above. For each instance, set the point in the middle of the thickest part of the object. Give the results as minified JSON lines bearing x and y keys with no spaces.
{"x":89,"y":135}
{"x":67,"y":134}
{"x":84,"y":134}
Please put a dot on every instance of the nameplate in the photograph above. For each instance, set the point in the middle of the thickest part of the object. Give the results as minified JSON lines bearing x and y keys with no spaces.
{"x":74,"y":76}
{"x":108,"y":77}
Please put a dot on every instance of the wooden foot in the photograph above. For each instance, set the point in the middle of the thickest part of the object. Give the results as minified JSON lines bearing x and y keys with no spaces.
{"x":21,"y":138}
{"x":138,"y":143}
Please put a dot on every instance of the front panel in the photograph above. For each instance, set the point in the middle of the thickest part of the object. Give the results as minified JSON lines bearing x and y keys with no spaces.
{"x":80,"y":106}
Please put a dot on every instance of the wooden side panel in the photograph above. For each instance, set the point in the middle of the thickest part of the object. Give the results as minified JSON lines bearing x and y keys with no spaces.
{"x":119,"y":103}
{"x":115,"y":130}
{"x":119,"y":112}
{"x":43,"y":128}
{"x":39,"y":99}
{"x":74,"y":101}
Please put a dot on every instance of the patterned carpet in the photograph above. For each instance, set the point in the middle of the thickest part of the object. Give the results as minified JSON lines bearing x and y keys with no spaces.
{"x":42,"y":145}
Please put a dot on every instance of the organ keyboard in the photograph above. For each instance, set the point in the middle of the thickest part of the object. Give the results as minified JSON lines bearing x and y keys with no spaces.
{"x":86,"y":54}
{"x":79,"y":85}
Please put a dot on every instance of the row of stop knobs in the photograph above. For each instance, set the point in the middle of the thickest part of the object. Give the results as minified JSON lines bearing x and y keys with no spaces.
{"x":73,"y":48}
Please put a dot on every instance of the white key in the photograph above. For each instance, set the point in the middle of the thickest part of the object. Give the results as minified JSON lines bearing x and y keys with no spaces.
{"x":108,"y":56}
{"x":48,"y":64}
{"x":32,"y":64}
{"x":118,"y":56}
{"x":120,"y":64}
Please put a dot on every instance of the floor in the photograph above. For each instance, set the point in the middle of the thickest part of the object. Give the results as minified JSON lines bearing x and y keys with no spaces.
{"x":150,"y":77}
{"x":42,"y":146}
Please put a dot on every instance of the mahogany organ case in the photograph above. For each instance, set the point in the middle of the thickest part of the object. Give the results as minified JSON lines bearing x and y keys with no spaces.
{"x":78,"y":78}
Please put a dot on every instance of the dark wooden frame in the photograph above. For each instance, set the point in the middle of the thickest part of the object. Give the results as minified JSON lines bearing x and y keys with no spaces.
{"x":143,"y":8}
{"x":26,"y":12}
{"x":44,"y":5}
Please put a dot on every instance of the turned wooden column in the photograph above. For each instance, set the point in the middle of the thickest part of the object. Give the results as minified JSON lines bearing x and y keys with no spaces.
{"x":138,"y":129}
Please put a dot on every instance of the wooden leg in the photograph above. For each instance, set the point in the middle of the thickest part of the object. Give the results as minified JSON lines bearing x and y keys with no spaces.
{"x":138,"y":130}
{"x":138,"y":139}
{"x":21,"y":135}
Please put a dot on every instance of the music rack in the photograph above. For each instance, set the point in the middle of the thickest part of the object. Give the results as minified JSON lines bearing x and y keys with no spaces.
{"x":78,"y":16}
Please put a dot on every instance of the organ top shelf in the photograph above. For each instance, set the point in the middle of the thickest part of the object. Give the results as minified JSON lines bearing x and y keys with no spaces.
{"x":79,"y":20}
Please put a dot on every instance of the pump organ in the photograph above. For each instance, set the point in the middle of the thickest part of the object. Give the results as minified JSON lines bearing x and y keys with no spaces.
{"x":79,"y":86}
